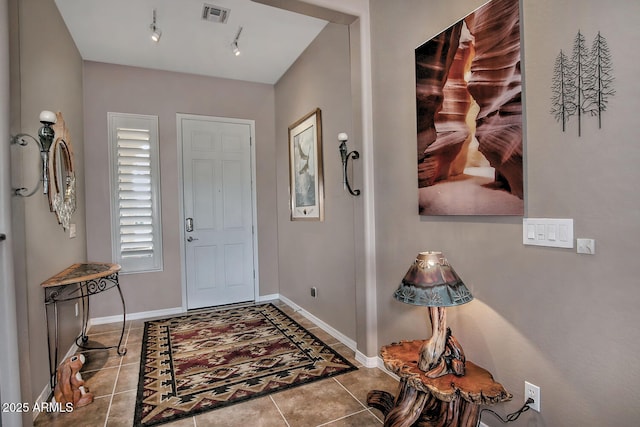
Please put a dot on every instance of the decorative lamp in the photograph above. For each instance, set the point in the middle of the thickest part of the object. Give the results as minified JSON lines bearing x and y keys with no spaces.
{"x":432,"y":282}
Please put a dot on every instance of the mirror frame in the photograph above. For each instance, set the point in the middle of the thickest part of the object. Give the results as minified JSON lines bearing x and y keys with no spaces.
{"x":62,"y":178}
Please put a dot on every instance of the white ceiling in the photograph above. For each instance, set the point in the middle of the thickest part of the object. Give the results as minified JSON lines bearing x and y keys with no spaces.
{"x":117,"y":32}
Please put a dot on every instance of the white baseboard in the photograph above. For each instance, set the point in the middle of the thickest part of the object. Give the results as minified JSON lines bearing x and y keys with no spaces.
{"x":159,"y":313}
{"x":136,"y":316}
{"x":367,"y":362}
{"x":265,"y":298}
{"x":321,"y":324}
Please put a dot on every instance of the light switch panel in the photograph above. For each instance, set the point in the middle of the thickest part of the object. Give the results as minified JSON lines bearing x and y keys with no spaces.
{"x":552,"y":232}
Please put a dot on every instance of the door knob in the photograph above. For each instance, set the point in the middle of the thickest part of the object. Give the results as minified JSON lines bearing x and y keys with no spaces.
{"x":191,"y":239}
{"x":3,"y":237}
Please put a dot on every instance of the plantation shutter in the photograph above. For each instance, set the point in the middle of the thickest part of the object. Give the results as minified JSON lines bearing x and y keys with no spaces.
{"x":135,"y":211}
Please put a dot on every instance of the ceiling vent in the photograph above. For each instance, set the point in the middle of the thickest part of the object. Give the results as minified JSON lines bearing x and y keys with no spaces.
{"x":215,"y":13}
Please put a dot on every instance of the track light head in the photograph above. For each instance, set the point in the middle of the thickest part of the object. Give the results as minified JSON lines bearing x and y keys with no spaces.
{"x":234,"y":45}
{"x":156,"y":32}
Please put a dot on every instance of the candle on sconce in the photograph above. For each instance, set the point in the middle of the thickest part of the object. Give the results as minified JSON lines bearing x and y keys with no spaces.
{"x":345,"y":155}
{"x":48,"y":117}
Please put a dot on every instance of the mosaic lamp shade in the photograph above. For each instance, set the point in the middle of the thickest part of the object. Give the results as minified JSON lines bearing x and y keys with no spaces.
{"x":432,"y":282}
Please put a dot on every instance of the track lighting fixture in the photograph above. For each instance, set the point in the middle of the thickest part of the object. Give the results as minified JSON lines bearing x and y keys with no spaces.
{"x":234,"y":45}
{"x":156,"y":33}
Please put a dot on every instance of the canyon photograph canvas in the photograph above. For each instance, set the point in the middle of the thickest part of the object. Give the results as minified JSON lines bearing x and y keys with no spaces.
{"x":469,"y":115}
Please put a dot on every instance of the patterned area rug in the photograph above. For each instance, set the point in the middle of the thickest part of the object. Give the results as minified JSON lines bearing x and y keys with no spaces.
{"x":199,"y":362}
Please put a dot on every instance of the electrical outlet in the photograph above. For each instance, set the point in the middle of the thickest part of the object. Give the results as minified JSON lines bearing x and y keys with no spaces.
{"x":533,"y":392}
{"x":314,"y":292}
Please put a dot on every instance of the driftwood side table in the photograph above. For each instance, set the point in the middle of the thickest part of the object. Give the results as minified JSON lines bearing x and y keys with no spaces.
{"x":447,"y":401}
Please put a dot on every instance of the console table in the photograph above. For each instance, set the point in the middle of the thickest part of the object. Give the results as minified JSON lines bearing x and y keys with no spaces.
{"x":79,"y":281}
{"x":447,"y":401}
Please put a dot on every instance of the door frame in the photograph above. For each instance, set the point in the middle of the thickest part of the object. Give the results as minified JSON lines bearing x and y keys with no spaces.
{"x":254,"y":205}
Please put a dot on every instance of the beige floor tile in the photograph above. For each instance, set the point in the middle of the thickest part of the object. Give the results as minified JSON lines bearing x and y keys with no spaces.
{"x":360,"y":419}
{"x":184,"y":422}
{"x":122,"y":410}
{"x":361,"y":382}
{"x":105,"y":339}
{"x":101,"y":382}
{"x":107,"y":327}
{"x":138,"y":324}
{"x":302,"y":321}
{"x":323,"y":336}
{"x":316,"y":403}
{"x":133,"y":354}
{"x":91,"y":415}
{"x":135,"y":336}
{"x":100,"y":359}
{"x":261,"y":412}
{"x":346,"y":352}
{"x":128,"y":378}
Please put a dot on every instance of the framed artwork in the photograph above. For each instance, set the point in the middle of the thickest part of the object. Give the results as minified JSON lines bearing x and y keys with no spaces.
{"x":305,"y":168}
{"x":469,"y":115}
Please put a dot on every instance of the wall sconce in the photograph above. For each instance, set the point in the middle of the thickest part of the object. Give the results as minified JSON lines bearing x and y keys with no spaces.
{"x":234,"y":45}
{"x":156,"y":32}
{"x":343,"y":137}
{"x":44,"y":141}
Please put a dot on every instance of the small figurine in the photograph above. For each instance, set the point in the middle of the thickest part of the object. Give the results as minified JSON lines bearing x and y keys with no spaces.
{"x":69,"y":384}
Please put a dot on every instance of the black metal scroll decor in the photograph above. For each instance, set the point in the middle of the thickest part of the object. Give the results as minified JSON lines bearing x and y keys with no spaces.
{"x":345,"y":155}
{"x":583,"y":83}
{"x":101,"y":284}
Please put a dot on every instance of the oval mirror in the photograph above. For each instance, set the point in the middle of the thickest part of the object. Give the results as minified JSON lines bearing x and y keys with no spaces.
{"x":62,"y":183}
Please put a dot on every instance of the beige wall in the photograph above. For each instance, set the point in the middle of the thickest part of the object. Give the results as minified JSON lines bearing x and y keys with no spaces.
{"x":10,"y":390}
{"x":46,"y":74}
{"x":566,"y":322}
{"x":311,"y":253}
{"x":538,"y":311}
{"x":142,"y":91}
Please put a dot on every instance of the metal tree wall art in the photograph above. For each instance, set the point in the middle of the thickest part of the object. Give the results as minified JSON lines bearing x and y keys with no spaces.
{"x":583,"y":83}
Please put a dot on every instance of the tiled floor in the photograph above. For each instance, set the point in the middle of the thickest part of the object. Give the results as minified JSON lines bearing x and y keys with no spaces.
{"x":336,"y":402}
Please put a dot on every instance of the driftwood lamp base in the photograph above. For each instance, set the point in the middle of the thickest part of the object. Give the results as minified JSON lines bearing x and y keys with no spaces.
{"x":446,"y":401}
{"x":441,"y":354}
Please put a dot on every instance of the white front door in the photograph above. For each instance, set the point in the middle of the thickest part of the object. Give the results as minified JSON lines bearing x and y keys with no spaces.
{"x":218,"y":210}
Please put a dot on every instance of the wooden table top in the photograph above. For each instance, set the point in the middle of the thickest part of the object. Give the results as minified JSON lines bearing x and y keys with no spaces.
{"x":81,"y":272}
{"x":476,"y":385}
